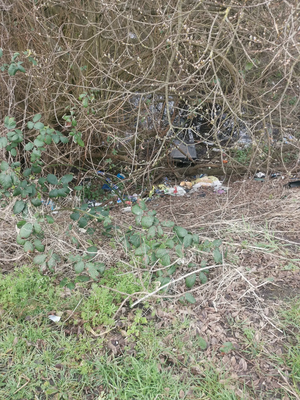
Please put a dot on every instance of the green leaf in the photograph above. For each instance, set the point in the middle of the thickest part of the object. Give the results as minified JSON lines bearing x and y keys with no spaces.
{"x":37,"y":227}
{"x":21,"y":223}
{"x":48,"y":139}
{"x":138,"y":219}
{"x":217,"y":256}
{"x":52,"y":262}
{"x":79,"y":267}
{"x":168,"y":224}
{"x":135,"y":240}
{"x":36,"y":169}
{"x":140,"y":251}
{"x":202,"y":343}
{"x":190,"y":280}
{"x":178,"y":249}
{"x":181,"y":232}
{"x":152,"y":213}
{"x":9,"y":122}
{"x":196,"y":239}
{"x":3,"y":142}
{"x":1,"y":52}
{"x":30,"y":125}
{"x":39,"y":245}
{"x":92,"y":249}
{"x":66,"y":178}
{"x":136,"y":210}
{"x":36,"y":202}
{"x":38,"y":143}
{"x":27,"y":172}
{"x":49,"y":219}
{"x":142,"y":204}
{"x":52,"y":179}
{"x":19,"y":206}
{"x":160,"y":232}
{"x":39,"y":259}
{"x":190,"y":298}
{"x":165,"y":260}
{"x":26,"y":230}
{"x":226,"y":347}
{"x":192,"y":265}
{"x":172,"y":269}
{"x":28,"y":247}
{"x":20,"y":240}
{"x":151,"y":232}
{"x":13,"y":152}
{"x":78,"y":188}
{"x":53,"y":193}
{"x":75,"y":216}
{"x":188,"y":240}
{"x":70,"y":285}
{"x":12,"y":69}
{"x":92,"y":269}
{"x":203,"y":278}
{"x":82,"y":278}
{"x":4,"y":166}
{"x":170,"y":243}
{"x":82,"y":223}
{"x":37,"y":117}
{"x":161,"y":252}
{"x":39,"y":125}
{"x":147,"y":222}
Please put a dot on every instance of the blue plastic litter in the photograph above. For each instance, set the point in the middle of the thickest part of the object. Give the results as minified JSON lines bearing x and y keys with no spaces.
{"x":120,"y":176}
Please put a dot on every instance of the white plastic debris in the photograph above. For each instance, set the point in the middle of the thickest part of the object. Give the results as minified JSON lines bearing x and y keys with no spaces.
{"x":54,"y":318}
{"x":175,"y":191}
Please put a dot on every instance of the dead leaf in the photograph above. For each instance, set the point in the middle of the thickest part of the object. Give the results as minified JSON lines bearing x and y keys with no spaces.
{"x":181,"y":394}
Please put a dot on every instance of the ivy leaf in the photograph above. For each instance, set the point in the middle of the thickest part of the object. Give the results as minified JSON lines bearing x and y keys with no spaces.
{"x":37,"y":227}
{"x":53,"y":193}
{"x":190,"y":298}
{"x":203,"y":278}
{"x":36,"y":202}
{"x":160,"y":232}
{"x":79,"y":267}
{"x":147,"y":222}
{"x":4,"y":166}
{"x":37,"y":117}
{"x":82,"y":223}
{"x":26,"y":230}
{"x":28,"y":247}
{"x":170,"y":243}
{"x":39,"y":245}
{"x":188,"y":240}
{"x":39,"y":259}
{"x":92,"y":269}
{"x":161,"y":252}
{"x":196,"y":239}
{"x":30,"y":125}
{"x":168,"y":224}
{"x":181,"y":232}
{"x":67,"y":178}
{"x":135,"y":240}
{"x":52,"y":179}
{"x":151,"y":232}
{"x":140,"y":251}
{"x":75,"y":216}
{"x":39,"y":125}
{"x":178,"y":250}
{"x":202,"y":343}
{"x":19,"y":206}
{"x":165,"y":260}
{"x":190,"y":281}
{"x":5,"y":180}
{"x":217,"y":256}
{"x":136,"y":210}
{"x":3,"y":142}
{"x":49,"y":219}
{"x":20,"y":240}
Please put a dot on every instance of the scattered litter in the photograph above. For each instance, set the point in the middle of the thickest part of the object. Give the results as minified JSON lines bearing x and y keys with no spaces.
{"x":120,"y":176}
{"x":126,"y":209}
{"x":176,"y":191}
{"x":260,"y":175}
{"x":276,"y":175}
{"x":54,"y":318}
{"x":293,"y":184}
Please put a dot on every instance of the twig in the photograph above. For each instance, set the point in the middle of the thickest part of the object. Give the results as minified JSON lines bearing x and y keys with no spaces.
{"x":73,"y":311}
{"x":172,"y":282}
{"x":28,"y":380}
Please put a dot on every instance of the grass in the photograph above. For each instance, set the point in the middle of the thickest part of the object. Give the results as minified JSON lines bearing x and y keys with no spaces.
{"x":40,"y":360}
